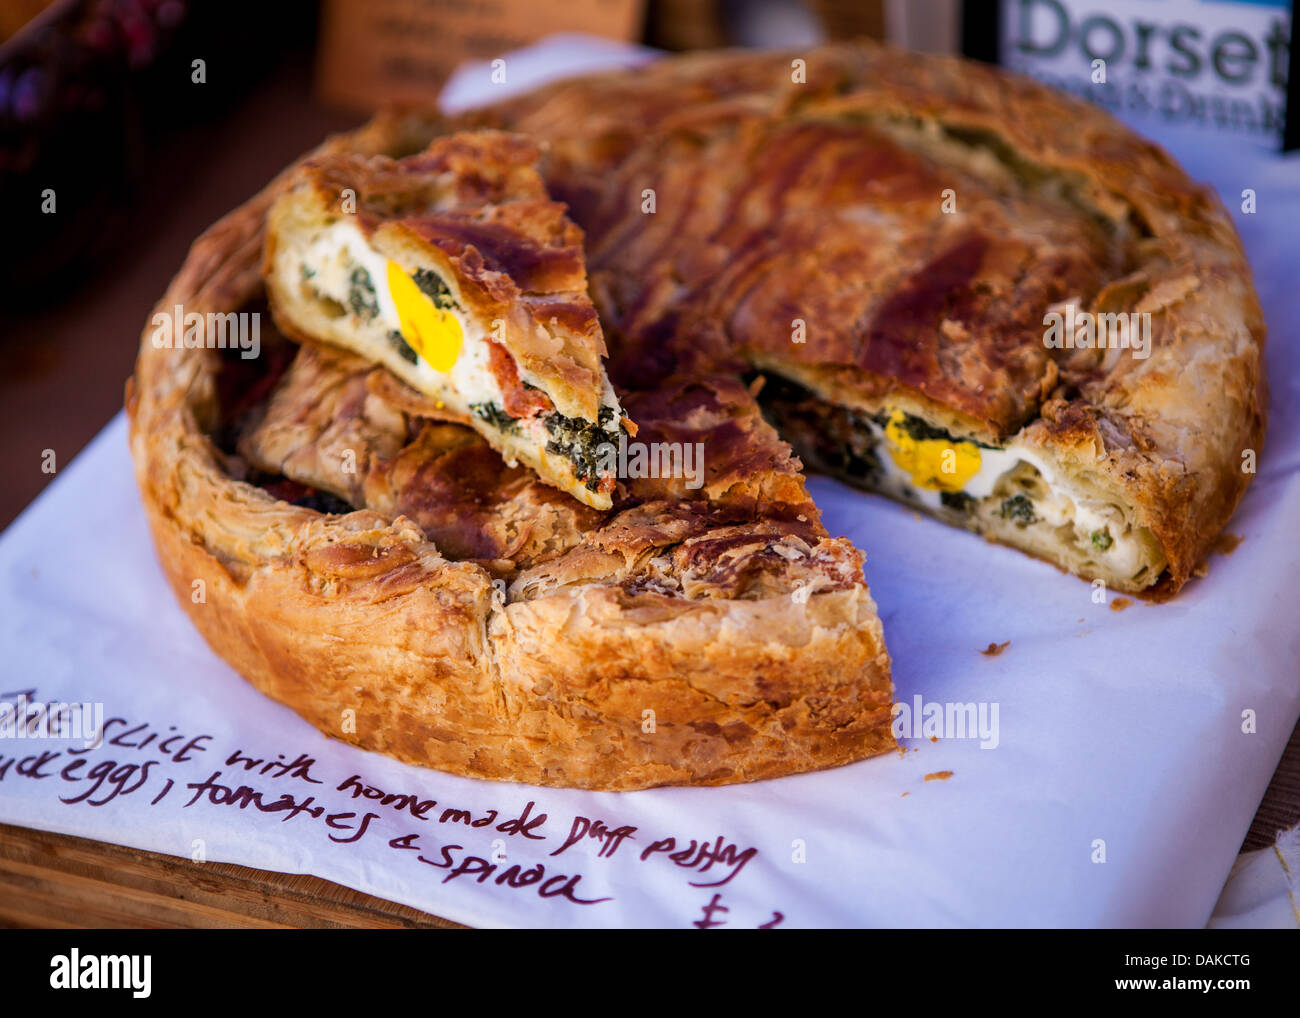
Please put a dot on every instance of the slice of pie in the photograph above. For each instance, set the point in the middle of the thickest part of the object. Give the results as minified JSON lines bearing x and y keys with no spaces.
{"x":454,"y":270}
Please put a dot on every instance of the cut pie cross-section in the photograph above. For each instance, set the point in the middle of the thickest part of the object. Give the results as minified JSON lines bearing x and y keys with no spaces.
{"x":454,"y":269}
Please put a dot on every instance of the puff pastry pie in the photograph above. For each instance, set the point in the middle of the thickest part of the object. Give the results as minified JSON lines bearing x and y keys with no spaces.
{"x":867,"y":256}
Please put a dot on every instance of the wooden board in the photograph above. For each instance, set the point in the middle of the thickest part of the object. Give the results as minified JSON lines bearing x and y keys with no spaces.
{"x":1280,"y":809}
{"x":54,"y":881}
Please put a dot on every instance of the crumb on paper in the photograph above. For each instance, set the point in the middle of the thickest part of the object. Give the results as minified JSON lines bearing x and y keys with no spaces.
{"x":994,"y":649}
{"x":1226,"y":544}
{"x":905,"y":795}
{"x":915,"y":515}
{"x":1119,"y":604}
{"x":934,"y":738}
{"x":938,"y":776}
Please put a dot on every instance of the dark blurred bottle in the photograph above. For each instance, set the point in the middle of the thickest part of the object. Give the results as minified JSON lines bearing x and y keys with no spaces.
{"x":88,"y":88}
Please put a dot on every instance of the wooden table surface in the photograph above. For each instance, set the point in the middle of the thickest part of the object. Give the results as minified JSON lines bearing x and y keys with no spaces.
{"x":62,"y":369}
{"x":53,"y":881}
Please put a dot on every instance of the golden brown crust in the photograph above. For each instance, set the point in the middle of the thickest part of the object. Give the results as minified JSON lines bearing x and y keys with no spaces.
{"x":821,"y":201}
{"x":638,"y":657}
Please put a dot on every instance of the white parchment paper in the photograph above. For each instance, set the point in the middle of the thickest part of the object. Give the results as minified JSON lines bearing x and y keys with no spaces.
{"x":1118,"y":791}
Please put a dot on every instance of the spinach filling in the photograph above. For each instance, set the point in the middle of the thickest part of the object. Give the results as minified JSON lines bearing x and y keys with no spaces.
{"x":958,"y":500}
{"x":920,"y":431}
{"x":361,"y":294}
{"x":403,"y":348}
{"x":1019,"y":510}
{"x":862,"y":465}
{"x":432,"y":286}
{"x":833,"y":438}
{"x":1101,"y":540}
{"x":579,"y":441}
{"x":495,"y":416}
{"x":850,"y":449}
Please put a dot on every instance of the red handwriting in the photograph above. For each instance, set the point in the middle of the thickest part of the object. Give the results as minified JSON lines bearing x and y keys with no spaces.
{"x":278,"y":768}
{"x":151,"y":750}
{"x":31,"y":766}
{"x":523,"y":825}
{"x":110,"y":776}
{"x":244,"y":796}
{"x":413,"y":804}
{"x":463,"y":816}
{"x":609,"y":838}
{"x":708,"y":922}
{"x":141,"y":736}
{"x":715,"y":907}
{"x":420,"y":809}
{"x":122,"y":779}
{"x":701,"y":856}
{"x":557,"y":885}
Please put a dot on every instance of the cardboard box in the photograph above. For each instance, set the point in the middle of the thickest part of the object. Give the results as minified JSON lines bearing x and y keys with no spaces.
{"x":376,"y":51}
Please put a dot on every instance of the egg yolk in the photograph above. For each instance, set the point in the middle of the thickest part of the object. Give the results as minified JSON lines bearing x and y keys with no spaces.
{"x":934,"y":464}
{"x":433,"y":333}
